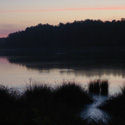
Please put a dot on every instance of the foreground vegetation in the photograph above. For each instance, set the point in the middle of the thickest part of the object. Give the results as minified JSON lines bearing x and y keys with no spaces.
{"x":41,"y":105}
{"x":116,"y":107}
{"x":99,"y":87}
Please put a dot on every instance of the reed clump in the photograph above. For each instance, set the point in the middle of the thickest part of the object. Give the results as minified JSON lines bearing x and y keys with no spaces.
{"x":99,"y":87}
{"x":116,"y":107}
{"x":43,"y":105}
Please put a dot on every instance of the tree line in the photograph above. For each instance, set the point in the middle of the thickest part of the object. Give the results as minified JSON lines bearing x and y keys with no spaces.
{"x":76,"y":35}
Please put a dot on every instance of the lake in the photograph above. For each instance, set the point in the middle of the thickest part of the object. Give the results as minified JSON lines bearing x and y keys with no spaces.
{"x":16,"y":73}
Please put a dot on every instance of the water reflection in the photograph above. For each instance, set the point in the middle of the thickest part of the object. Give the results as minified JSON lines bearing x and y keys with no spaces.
{"x":93,"y":113}
{"x":16,"y":72}
{"x":87,"y":68}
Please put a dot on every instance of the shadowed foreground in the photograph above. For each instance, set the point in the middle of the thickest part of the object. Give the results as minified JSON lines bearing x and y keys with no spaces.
{"x":41,"y":105}
{"x":116,"y":107}
{"x":98,"y":89}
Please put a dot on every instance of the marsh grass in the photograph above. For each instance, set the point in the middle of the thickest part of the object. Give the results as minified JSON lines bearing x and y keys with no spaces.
{"x":99,"y":87}
{"x":115,"y":106}
{"x":43,"y":105}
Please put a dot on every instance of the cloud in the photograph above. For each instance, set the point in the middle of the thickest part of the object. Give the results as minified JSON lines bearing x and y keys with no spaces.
{"x":58,"y":10}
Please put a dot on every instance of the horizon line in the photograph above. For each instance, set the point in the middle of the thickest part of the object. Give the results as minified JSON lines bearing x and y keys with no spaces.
{"x":6,"y":34}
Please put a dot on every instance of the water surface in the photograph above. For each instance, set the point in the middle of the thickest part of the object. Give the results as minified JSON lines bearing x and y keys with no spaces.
{"x":92,"y":111}
{"x":20,"y":74}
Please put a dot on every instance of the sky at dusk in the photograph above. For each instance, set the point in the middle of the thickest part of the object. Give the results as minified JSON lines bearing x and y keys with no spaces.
{"x":16,"y":15}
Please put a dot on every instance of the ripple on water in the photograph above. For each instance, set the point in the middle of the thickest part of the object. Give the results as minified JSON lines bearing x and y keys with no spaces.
{"x":93,"y":113}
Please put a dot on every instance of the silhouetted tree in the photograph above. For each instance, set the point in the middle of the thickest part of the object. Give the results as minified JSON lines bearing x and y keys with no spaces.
{"x":87,"y":36}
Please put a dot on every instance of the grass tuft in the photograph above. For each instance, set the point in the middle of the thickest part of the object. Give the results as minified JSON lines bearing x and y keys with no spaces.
{"x":99,"y":87}
{"x":43,"y":105}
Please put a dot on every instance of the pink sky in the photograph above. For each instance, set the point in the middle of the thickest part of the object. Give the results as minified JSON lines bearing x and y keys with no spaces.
{"x":3,"y":35}
{"x":18,"y":17}
{"x":62,"y":9}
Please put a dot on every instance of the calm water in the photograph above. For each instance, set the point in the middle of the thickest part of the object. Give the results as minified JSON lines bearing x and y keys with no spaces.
{"x":19,"y":75}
